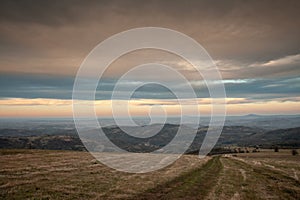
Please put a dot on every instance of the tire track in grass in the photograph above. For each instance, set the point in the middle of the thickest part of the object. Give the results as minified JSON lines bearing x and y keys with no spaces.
{"x":195,"y":184}
{"x":231,"y":182}
{"x":266,"y":183}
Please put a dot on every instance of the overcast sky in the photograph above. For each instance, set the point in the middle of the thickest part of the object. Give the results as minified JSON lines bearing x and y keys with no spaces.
{"x":255,"y":44}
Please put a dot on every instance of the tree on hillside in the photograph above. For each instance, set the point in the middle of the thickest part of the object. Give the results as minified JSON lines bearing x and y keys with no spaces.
{"x":294,"y":152}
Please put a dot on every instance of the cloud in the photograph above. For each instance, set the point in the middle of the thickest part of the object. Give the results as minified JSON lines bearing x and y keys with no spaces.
{"x":285,"y":61}
{"x":255,"y":44}
{"x":137,"y":102}
{"x":285,"y":66}
{"x":60,"y":87}
{"x":33,"y":102}
{"x":32,"y":86}
{"x":20,"y":107}
{"x":53,"y":37}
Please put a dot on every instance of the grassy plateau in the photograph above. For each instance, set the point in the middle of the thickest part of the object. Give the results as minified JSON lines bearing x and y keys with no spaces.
{"x":46,"y":174}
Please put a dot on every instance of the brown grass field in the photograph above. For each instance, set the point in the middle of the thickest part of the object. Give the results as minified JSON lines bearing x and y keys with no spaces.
{"x":45,"y":174}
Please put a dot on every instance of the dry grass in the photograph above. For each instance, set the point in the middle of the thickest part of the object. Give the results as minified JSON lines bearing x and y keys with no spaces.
{"x":254,"y":176}
{"x":195,"y":184}
{"x":282,"y":161}
{"x":44,"y":174}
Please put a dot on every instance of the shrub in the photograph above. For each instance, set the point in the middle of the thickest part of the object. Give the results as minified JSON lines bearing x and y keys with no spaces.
{"x":294,"y":152}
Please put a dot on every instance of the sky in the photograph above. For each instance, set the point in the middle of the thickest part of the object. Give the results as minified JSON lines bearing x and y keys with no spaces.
{"x":255,"y":45}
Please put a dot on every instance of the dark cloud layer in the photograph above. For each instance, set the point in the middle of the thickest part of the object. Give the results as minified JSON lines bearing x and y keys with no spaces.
{"x":239,"y":30}
{"x":28,"y":86}
{"x":253,"y":40}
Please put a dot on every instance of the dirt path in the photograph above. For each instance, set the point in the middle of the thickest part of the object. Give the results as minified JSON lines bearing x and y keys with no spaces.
{"x":240,"y":180}
{"x":227,"y":178}
{"x":195,"y":184}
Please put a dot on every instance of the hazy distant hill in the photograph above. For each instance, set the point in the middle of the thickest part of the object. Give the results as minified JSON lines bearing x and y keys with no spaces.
{"x":69,"y":140}
{"x":268,"y":122}
{"x":281,"y":137}
{"x":53,"y":142}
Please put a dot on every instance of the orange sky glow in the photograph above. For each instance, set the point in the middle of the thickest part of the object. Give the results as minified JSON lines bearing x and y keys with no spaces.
{"x":18,"y":107}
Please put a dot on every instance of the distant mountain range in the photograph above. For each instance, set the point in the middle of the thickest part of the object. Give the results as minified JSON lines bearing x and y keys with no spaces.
{"x":248,"y":130}
{"x":54,"y":126}
{"x":69,"y":140}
